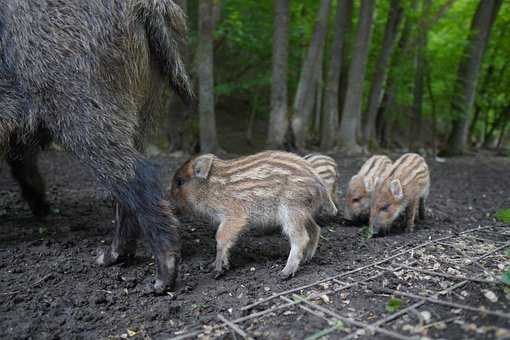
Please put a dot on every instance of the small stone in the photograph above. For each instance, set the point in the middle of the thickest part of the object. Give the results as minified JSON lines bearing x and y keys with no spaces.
{"x":490,"y":295}
{"x":426,"y":316}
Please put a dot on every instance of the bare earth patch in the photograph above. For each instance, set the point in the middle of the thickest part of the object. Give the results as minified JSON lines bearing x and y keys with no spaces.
{"x":443,"y":281}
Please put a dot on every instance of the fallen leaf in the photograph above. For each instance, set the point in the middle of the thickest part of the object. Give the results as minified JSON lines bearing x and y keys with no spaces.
{"x":393,"y":305}
{"x":426,"y":316}
{"x":490,"y":295}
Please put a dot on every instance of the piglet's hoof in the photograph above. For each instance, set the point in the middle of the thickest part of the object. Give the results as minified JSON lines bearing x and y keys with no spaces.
{"x":107,"y":257}
{"x":284,"y":275}
{"x":218,"y":274}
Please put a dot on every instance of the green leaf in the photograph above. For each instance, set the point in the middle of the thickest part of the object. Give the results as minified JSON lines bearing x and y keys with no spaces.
{"x":503,"y":215}
{"x":367,"y":232}
{"x":505,"y":277}
{"x":393,"y":305}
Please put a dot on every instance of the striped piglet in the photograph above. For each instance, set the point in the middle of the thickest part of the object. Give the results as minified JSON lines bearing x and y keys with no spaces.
{"x":405,"y":188}
{"x":268,"y":188}
{"x":361,"y":186}
{"x":327,"y":170}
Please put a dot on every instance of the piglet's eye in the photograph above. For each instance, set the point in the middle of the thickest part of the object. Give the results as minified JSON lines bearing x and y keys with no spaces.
{"x":385,"y":207}
{"x":179,"y":181}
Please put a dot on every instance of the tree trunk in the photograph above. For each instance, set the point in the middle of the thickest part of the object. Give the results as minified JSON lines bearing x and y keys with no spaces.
{"x":381,"y":69}
{"x":278,"y":121}
{"x":344,"y":69}
{"x":319,"y":90}
{"x":207,"y":121}
{"x":469,"y":66}
{"x":304,"y":93}
{"x":251,"y":120}
{"x":415,"y":127}
{"x":433,"y":106}
{"x":388,"y":101}
{"x":329,"y":123}
{"x":352,"y":109}
{"x":501,"y":137}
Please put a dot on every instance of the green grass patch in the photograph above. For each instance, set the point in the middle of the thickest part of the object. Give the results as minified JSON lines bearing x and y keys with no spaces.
{"x":503,"y":215}
{"x":367,"y":232}
{"x":393,"y":305}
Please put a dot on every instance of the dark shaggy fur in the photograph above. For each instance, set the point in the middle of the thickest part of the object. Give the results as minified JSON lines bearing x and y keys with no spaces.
{"x":89,"y":73}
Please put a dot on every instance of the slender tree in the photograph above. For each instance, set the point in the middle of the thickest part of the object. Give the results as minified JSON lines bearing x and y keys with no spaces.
{"x":205,"y":65}
{"x":344,"y":69}
{"x":381,"y":68}
{"x":278,"y":122}
{"x":415,"y":128}
{"x":304,"y":93}
{"x":467,"y":74}
{"x":352,"y":108}
{"x":330,"y":115}
{"x":387,"y":106}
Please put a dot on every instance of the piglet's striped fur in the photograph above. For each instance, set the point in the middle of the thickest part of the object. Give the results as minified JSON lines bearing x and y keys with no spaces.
{"x":327,"y":170}
{"x":267,"y":188}
{"x":361,"y":186}
{"x":404,"y":190}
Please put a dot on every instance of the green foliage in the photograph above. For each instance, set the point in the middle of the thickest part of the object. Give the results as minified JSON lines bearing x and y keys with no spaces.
{"x":243,"y":52}
{"x":393,"y":305}
{"x":505,"y":277}
{"x":503,"y":215}
{"x":367,"y":232}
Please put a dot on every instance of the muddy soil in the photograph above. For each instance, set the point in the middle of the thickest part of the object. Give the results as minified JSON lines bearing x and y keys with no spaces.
{"x":50,"y":286}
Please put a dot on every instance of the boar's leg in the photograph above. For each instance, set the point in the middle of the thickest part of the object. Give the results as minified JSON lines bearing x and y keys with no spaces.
{"x":410,"y":215}
{"x":314,"y":232}
{"x":226,"y":236}
{"x":294,"y":226}
{"x":22,"y":159}
{"x":102,"y":138}
{"x":124,"y":241}
{"x":421,"y":211}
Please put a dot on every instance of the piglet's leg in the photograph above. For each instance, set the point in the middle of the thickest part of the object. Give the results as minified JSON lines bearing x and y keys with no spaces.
{"x":226,"y":236}
{"x":294,"y":225}
{"x":314,"y":232}
{"x":421,"y":211}
{"x":410,"y":215}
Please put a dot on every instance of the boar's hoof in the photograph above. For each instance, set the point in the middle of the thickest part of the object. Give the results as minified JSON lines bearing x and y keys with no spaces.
{"x":166,"y":272}
{"x":106,"y":257}
{"x":160,"y":287}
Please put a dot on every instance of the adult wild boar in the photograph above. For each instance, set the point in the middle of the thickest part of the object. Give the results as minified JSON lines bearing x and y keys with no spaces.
{"x":88,"y":72}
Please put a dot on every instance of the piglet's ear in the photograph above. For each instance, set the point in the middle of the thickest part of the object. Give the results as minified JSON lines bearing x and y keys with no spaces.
{"x":353,"y":178}
{"x":369,"y":184}
{"x":396,"y":189}
{"x":202,"y":166}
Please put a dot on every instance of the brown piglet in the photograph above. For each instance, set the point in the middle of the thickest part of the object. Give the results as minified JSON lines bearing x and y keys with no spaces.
{"x":268,"y":188}
{"x":327,"y":170}
{"x":404,"y":189}
{"x":361,"y":186}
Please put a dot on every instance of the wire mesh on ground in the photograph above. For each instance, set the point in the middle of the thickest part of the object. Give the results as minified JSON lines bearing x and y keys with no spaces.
{"x":402,"y":288}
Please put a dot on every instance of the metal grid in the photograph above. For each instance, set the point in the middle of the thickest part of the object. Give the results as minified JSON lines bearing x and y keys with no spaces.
{"x":431,"y":273}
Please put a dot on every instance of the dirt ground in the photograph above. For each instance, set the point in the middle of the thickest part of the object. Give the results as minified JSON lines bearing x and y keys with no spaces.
{"x":50,"y":286}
